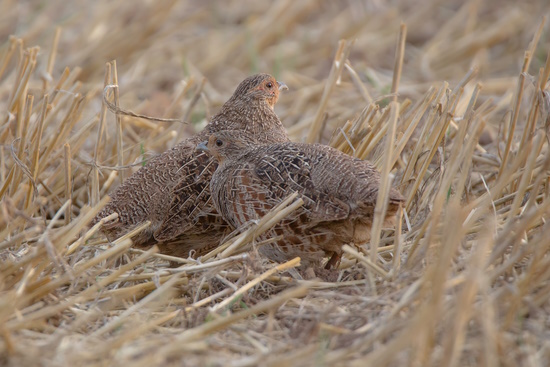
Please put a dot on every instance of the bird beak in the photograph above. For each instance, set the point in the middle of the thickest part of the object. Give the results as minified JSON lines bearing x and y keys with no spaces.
{"x":202,"y":146}
{"x":282,"y":86}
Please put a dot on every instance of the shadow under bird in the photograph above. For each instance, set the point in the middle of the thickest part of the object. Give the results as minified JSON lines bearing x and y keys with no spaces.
{"x":339,"y":194}
{"x":172,"y":189}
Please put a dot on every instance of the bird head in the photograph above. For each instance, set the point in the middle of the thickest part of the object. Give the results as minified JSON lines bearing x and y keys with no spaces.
{"x":225,"y":144}
{"x":261,"y":88}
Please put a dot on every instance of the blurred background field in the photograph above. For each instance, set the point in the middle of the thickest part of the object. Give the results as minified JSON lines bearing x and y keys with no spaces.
{"x":463,"y":127}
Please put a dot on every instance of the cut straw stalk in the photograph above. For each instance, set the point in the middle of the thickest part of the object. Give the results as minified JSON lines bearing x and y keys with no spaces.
{"x":136,"y":292}
{"x":419,"y":113}
{"x":398,"y":61}
{"x":475,"y":278}
{"x":221,"y":323}
{"x":358,"y":83}
{"x":173,"y":259}
{"x":385,"y":180}
{"x":534,"y":148}
{"x":85,"y":295}
{"x":66,"y":125}
{"x":22,"y":132}
{"x":519,"y":93}
{"x":119,"y":320}
{"x":433,"y":141}
{"x":94,"y":197}
{"x":537,"y":273}
{"x":135,"y":332}
{"x":119,"y":136}
{"x":26,"y":68}
{"x":189,"y":269}
{"x":385,"y":186}
{"x":279,"y":268}
{"x":398,"y":243}
{"x":23,"y":235}
{"x":342,"y":53}
{"x":540,"y":178}
{"x":68,"y":182}
{"x":365,"y":261}
{"x":75,"y":272}
{"x":512,"y":234}
{"x":495,"y":192}
{"x":51,"y":60}
{"x":461,"y":155}
{"x":433,"y":289}
{"x":74,"y":246}
{"x":38,"y":138}
{"x":515,"y":112}
{"x":413,"y":160}
{"x":529,"y":129}
{"x":8,"y":54}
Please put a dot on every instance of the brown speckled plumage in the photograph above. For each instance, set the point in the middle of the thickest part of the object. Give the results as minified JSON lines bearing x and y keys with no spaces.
{"x":339,"y":194}
{"x":172,"y":189}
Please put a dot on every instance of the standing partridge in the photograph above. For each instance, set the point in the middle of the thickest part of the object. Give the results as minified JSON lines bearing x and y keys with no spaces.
{"x":339,"y":194}
{"x":172,"y":189}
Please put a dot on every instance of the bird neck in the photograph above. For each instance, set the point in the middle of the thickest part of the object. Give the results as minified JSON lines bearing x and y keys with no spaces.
{"x":235,"y":104}
{"x":246,"y":115}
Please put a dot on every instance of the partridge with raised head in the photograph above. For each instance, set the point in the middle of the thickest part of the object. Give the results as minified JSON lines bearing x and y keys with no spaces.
{"x":172,"y":189}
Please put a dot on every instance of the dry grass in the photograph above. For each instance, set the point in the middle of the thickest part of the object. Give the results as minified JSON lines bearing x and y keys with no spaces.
{"x":454,"y":104}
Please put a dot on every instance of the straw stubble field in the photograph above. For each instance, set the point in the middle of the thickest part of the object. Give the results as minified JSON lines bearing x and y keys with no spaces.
{"x":449,"y":100}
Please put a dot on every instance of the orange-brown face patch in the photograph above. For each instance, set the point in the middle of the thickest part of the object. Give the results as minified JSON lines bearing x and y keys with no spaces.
{"x":271,"y":93}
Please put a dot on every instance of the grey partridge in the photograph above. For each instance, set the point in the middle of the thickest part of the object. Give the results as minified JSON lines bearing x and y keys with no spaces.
{"x":172,"y":189}
{"x":339,"y":193}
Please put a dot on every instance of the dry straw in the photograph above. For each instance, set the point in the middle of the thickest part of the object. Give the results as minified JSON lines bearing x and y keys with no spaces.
{"x":459,"y":125}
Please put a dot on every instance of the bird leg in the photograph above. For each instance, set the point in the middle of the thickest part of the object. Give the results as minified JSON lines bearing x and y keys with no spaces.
{"x":334,"y":260}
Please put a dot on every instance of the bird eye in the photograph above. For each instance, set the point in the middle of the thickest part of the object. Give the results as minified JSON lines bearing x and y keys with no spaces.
{"x":219,"y":143}
{"x":269,"y":85}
